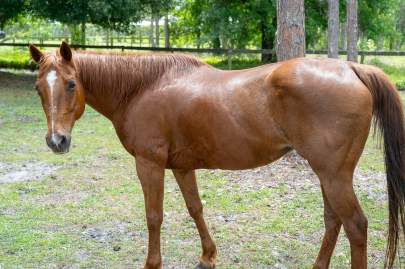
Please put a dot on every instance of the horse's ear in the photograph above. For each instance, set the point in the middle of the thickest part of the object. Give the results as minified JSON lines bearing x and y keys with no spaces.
{"x":36,"y":54}
{"x":65,"y":51}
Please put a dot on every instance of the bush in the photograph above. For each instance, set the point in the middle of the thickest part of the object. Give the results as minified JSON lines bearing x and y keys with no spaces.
{"x":15,"y":64}
{"x":395,"y":72}
{"x":401,"y":85}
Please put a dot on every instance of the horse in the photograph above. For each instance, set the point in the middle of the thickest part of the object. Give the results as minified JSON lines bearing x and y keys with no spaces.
{"x":172,"y":111}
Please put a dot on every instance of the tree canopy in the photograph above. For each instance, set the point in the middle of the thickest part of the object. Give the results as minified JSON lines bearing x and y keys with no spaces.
{"x":9,"y":9}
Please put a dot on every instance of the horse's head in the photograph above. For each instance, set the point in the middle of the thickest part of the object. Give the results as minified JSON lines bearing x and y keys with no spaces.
{"x":61,"y":93}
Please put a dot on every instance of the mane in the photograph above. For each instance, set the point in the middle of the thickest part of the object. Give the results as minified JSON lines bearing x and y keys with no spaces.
{"x":123,"y":75}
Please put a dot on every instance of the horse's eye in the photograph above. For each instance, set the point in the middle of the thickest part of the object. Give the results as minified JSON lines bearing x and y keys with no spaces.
{"x":71,"y":85}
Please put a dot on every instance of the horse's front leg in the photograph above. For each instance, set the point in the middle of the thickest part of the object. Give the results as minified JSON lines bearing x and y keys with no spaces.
{"x":151,"y":176}
{"x":188,"y":186}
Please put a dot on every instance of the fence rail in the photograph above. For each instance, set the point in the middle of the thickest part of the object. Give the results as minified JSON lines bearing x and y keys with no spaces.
{"x":228,"y":52}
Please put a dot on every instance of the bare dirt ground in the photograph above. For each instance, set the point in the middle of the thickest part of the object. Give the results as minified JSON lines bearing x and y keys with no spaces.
{"x":295,"y":171}
{"x":12,"y":173}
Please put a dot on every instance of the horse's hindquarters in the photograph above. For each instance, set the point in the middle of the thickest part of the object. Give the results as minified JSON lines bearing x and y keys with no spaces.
{"x":323,"y":108}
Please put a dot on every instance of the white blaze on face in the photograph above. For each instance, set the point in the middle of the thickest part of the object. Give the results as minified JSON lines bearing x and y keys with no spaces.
{"x":51,"y":78}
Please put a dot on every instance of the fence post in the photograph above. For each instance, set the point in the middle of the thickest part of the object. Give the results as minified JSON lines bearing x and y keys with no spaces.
{"x":229,"y":55}
{"x":363,"y":56}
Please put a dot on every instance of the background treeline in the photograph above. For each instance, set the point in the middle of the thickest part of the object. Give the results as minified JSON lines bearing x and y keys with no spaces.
{"x":194,"y":23}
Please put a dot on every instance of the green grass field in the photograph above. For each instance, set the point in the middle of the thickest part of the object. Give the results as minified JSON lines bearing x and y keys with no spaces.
{"x":85,"y":209}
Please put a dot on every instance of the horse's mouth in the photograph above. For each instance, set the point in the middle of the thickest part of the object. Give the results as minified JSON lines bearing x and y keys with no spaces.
{"x":60,"y":152}
{"x":59,"y":145}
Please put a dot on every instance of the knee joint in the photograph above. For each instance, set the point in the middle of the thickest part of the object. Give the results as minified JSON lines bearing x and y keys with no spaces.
{"x":154,"y":220}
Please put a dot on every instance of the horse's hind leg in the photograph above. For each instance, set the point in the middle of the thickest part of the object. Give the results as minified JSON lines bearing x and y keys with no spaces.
{"x":332,"y":229}
{"x":334,"y":161}
{"x":188,"y":186}
{"x":338,"y":190}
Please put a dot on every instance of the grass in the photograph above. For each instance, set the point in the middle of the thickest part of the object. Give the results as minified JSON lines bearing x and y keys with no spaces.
{"x":88,"y":212}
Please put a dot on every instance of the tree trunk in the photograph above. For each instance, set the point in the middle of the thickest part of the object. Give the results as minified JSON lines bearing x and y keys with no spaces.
{"x":107,"y":37}
{"x":352,"y":30}
{"x":290,"y":29}
{"x":198,"y":39}
{"x":167,"y":32}
{"x":343,"y":36}
{"x":268,"y":36}
{"x":83,"y":33}
{"x":216,"y":42}
{"x":401,"y":26}
{"x":151,"y":34}
{"x":75,"y":34}
{"x":380,"y":42}
{"x":157,"y":31}
{"x":333,"y":28}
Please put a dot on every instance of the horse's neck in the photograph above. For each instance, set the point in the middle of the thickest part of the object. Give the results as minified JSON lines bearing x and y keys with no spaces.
{"x":111,"y":81}
{"x":106,"y":87}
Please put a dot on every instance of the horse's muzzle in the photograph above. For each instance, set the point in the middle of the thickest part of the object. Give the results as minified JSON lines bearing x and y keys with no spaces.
{"x":59,"y":143}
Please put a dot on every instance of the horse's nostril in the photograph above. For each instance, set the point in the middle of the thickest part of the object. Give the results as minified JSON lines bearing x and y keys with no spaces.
{"x":58,"y":142}
{"x":63,"y":140}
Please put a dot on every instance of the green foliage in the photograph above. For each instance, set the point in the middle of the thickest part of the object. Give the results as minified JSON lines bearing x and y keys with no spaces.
{"x":216,"y":23}
{"x":401,"y":85}
{"x":316,"y":23}
{"x":112,"y":14}
{"x":377,"y":18}
{"x":9,"y":9}
{"x":115,"y":14}
{"x":69,"y":11}
{"x":15,"y":59}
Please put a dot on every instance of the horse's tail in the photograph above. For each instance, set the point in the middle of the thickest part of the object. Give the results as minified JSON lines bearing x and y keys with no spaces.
{"x":389,"y":118}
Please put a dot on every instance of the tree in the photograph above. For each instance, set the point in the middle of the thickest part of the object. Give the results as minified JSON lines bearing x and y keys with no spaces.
{"x":167,"y":31}
{"x":223,"y":24}
{"x":9,"y":9}
{"x":316,"y":23}
{"x":400,"y":27}
{"x":154,"y":9}
{"x":112,"y":14}
{"x":333,"y":28}
{"x":352,"y":30}
{"x":115,"y":14}
{"x":262,"y":14}
{"x":72,"y":13}
{"x":290,"y":29}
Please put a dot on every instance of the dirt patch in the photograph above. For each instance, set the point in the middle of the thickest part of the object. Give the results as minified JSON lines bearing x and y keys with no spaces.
{"x":294,"y":171}
{"x":61,"y":198}
{"x":17,"y":79}
{"x":12,"y":173}
{"x":26,"y":119}
{"x":109,"y":232}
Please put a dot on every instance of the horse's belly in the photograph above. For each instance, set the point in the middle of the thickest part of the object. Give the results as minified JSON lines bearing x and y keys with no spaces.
{"x":233,"y":154}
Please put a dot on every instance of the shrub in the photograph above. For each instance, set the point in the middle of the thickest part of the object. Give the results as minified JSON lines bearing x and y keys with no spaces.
{"x":401,"y":85}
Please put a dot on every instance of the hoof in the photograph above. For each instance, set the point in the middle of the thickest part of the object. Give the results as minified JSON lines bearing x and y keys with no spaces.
{"x":203,"y":266}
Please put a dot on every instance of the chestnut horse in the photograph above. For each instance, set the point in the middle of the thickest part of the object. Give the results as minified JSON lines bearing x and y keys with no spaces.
{"x":175,"y":112}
